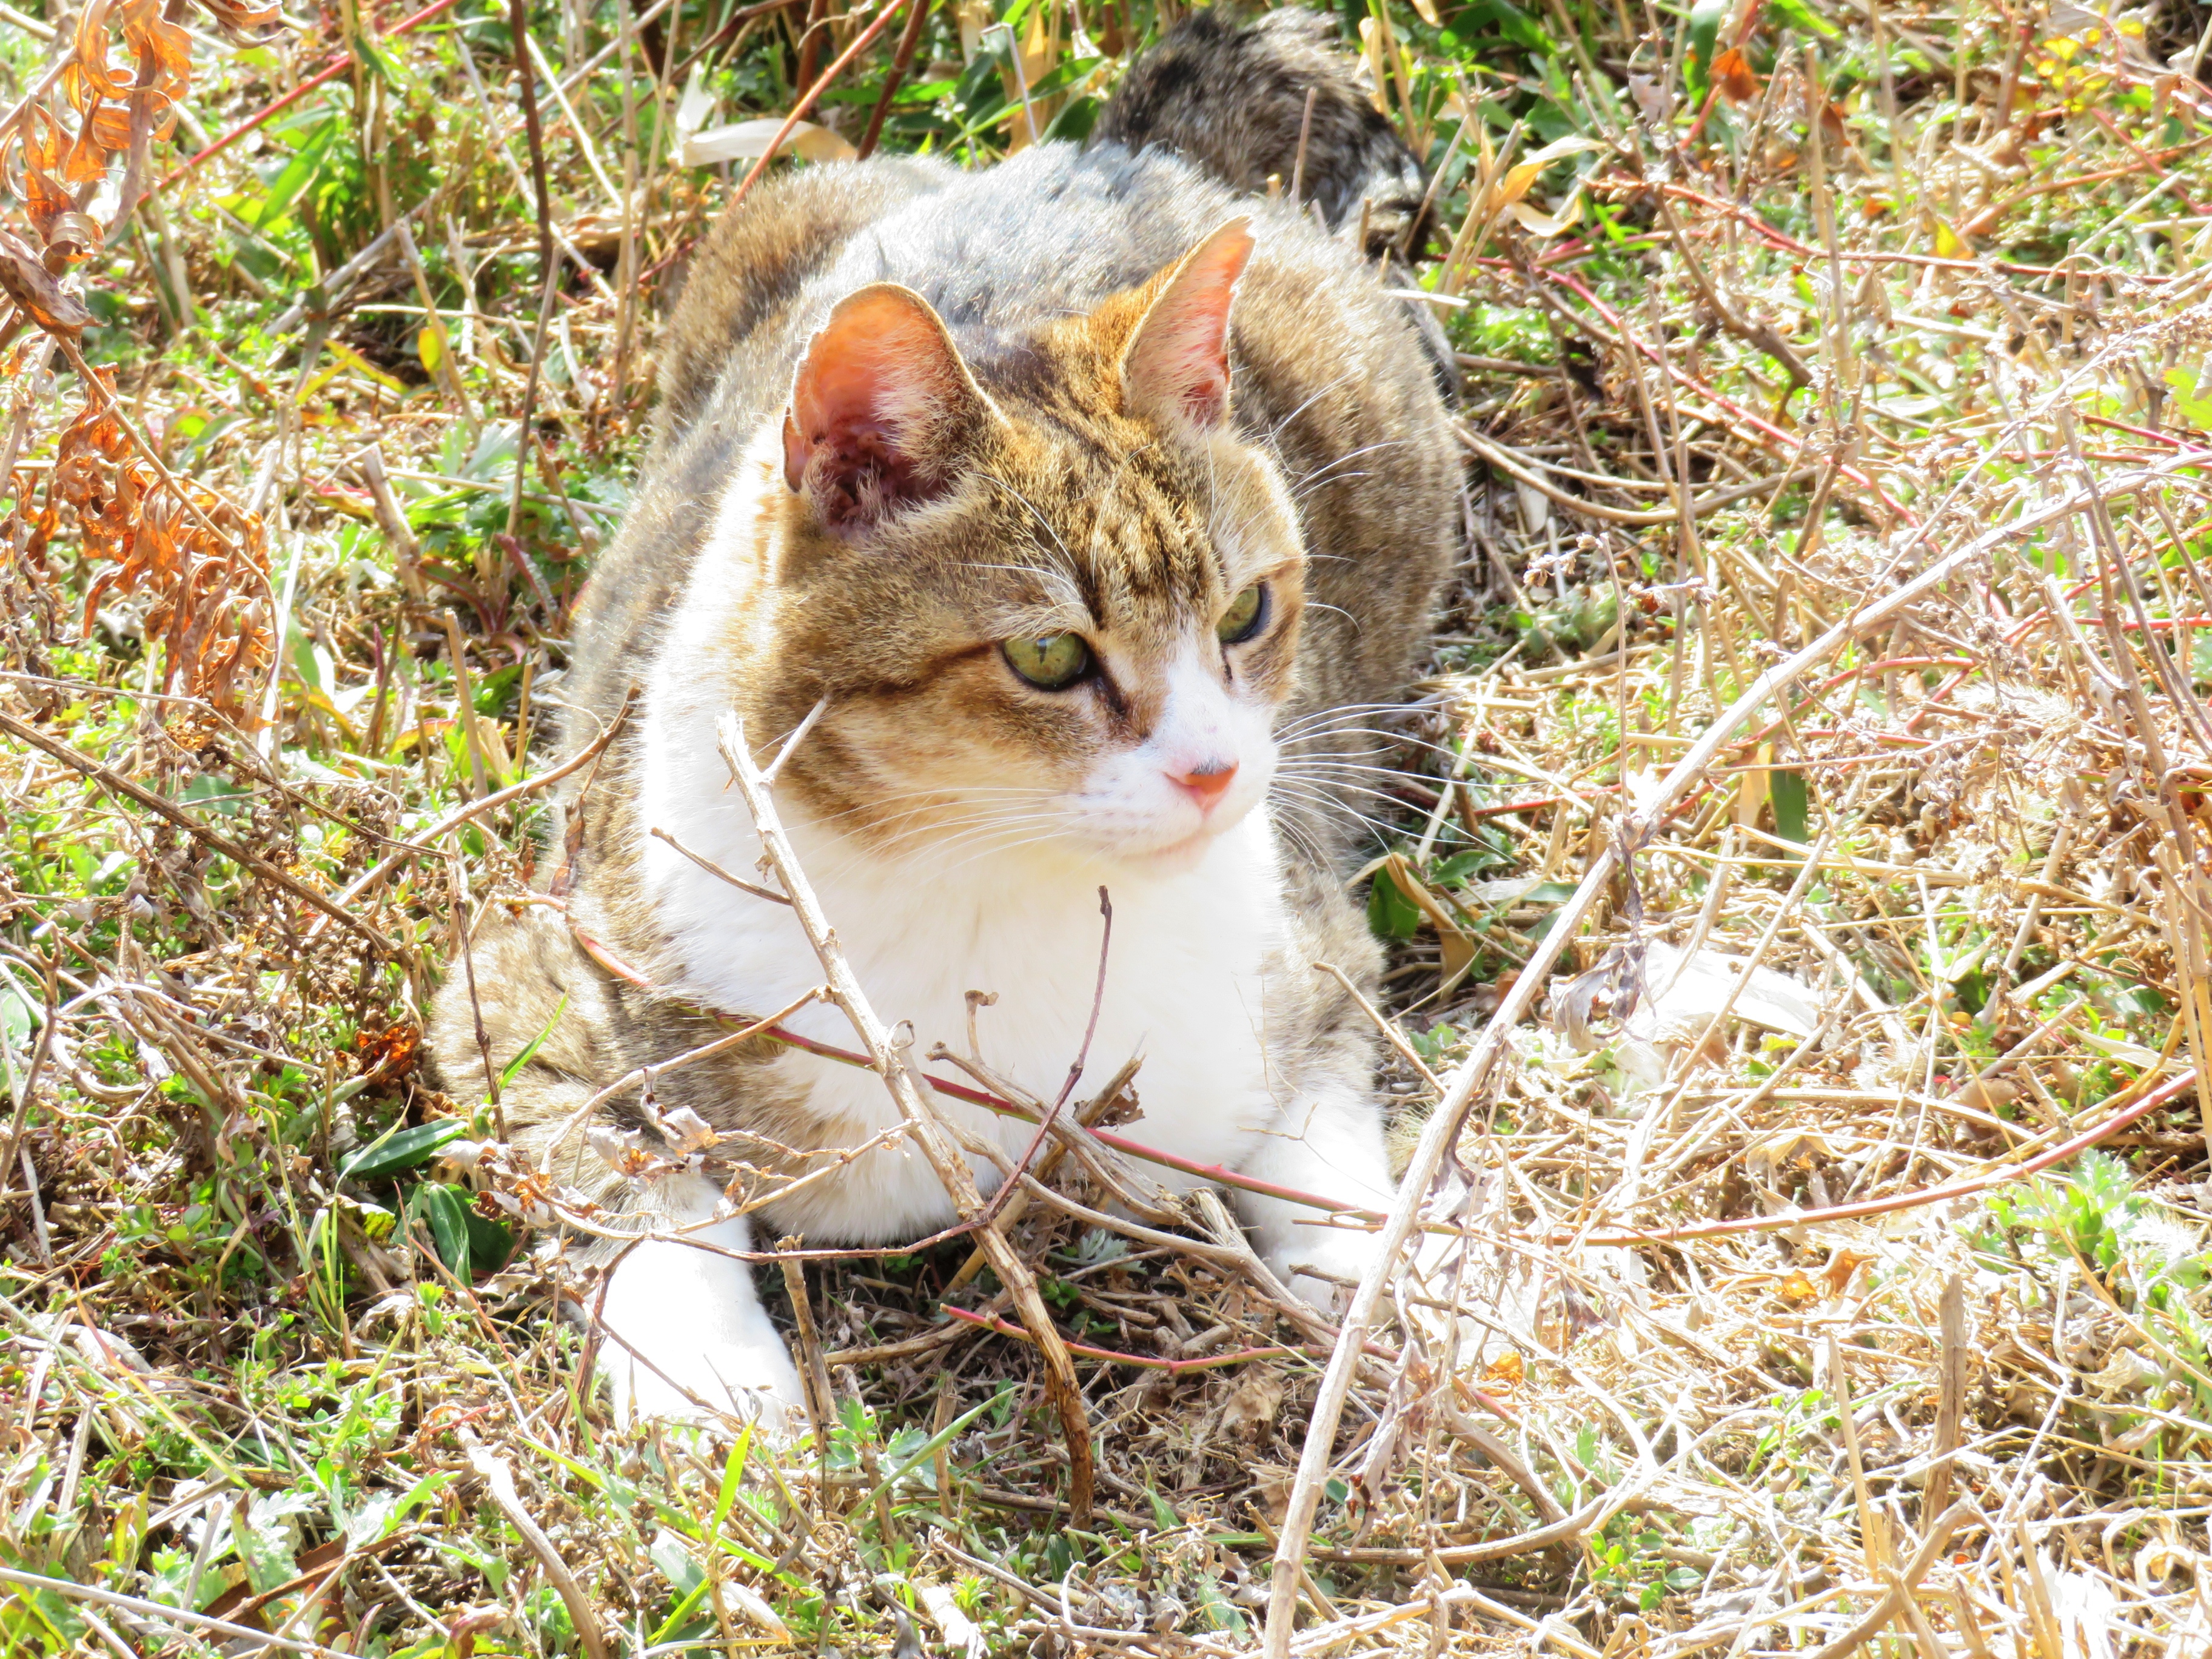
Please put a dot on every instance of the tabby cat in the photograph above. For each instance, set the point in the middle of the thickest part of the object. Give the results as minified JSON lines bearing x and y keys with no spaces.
{"x":1094,"y":500}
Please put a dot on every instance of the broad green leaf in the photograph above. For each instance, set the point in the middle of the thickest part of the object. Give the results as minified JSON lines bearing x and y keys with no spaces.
{"x":296,"y":175}
{"x":398,"y":1149}
{"x":2190,"y":385}
{"x":445,"y":1210}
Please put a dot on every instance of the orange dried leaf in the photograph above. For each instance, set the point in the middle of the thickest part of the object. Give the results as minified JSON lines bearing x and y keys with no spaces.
{"x":80,"y":87}
{"x":44,"y":139}
{"x":201,"y":564}
{"x":45,"y":201}
{"x":73,"y":237}
{"x":1732,"y":74}
{"x":91,"y":53}
{"x":1838,"y":1274}
{"x":110,"y":127}
{"x":87,"y":160}
{"x":26,"y":281}
{"x":172,"y":50}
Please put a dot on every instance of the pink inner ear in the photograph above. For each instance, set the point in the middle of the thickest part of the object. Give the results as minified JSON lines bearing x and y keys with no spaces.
{"x":868,"y":405}
{"x":1179,"y":361}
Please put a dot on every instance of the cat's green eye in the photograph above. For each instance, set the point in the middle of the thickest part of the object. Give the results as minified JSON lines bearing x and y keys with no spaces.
{"x":1246,"y":614}
{"x":1049,"y":662}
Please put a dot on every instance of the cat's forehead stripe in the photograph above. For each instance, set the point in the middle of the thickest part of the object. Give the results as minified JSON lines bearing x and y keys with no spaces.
{"x":1119,"y":522}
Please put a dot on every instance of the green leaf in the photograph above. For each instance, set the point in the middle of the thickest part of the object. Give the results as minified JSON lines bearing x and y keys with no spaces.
{"x":1063,"y":76}
{"x":383,"y":1513}
{"x":490,"y":1243}
{"x":1390,"y":914}
{"x":733,"y":1474}
{"x":1706,"y":18}
{"x":1220,"y":1612}
{"x":943,"y":1436}
{"x":445,"y":1210}
{"x":1788,"y":791}
{"x":1803,"y":18}
{"x":398,"y":1149}
{"x":18,"y":1015}
{"x":1076,"y":118}
{"x":374,"y":58}
{"x":2191,"y":385}
{"x":295,"y":176}
{"x":1514,"y":24}
{"x":508,"y":1072}
{"x":683,"y":1574}
{"x":214,"y":794}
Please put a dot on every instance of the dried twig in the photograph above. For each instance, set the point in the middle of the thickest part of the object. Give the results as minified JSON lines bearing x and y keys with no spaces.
{"x":937,"y":1145}
{"x":498,"y":1478}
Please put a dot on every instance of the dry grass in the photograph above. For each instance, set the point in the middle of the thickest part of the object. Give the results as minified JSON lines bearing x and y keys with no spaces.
{"x":1860,"y":1303}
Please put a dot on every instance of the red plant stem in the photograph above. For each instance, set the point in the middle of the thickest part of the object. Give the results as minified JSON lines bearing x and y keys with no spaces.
{"x":2166,"y":1095}
{"x":1940,"y":695}
{"x":1375,"y":1350}
{"x":1501,"y":808}
{"x":2165,"y":438}
{"x":2021,"y":631}
{"x":729,"y":30}
{"x":330,"y":71}
{"x":2172,"y":1091}
{"x":1212,"y":1172}
{"x":1766,"y":430}
{"x":1806,"y":702}
{"x":901,"y":60}
{"x":1218,"y":1174}
{"x":1786,"y":244}
{"x":1871,"y":736}
{"x":867,"y":38}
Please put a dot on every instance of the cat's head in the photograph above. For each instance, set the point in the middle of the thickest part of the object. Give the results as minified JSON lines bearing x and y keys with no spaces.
{"x":1050,"y":594}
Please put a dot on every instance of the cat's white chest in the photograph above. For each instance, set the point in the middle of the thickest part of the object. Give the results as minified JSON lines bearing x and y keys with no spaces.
{"x":1184,"y":987}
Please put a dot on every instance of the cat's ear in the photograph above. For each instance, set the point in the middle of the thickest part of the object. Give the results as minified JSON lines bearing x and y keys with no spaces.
{"x":1177,"y":360}
{"x":882,"y":409}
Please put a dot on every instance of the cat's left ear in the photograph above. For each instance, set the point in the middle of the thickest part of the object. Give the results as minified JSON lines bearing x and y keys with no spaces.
{"x":1177,"y":361}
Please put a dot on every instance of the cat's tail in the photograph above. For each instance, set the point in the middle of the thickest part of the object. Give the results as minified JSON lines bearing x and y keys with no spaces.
{"x":1232,"y":99}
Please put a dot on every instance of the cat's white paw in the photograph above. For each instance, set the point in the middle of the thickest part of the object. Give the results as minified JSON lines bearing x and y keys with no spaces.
{"x":717,"y":1384}
{"x":1341,"y":1254}
{"x":686,"y":1336}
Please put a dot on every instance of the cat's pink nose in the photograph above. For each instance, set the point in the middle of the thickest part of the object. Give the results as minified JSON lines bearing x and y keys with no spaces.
{"x":1207,"y":783}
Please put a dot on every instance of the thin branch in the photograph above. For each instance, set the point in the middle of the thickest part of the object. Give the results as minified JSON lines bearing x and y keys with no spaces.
{"x":937,"y":1144}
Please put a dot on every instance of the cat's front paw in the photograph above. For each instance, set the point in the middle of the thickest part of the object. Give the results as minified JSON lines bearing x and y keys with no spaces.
{"x":1340,"y":1257}
{"x":716,"y":1385}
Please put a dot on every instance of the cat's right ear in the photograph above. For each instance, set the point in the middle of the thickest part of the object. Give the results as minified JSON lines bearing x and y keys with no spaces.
{"x":882,"y":411}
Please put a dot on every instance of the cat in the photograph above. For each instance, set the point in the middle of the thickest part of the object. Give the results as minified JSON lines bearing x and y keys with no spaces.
{"x":1095,"y":504}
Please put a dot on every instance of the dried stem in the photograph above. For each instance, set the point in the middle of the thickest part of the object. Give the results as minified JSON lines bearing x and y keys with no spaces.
{"x":914,"y":1105}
